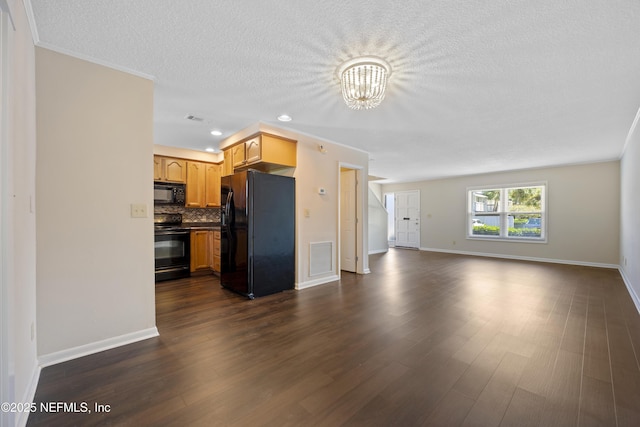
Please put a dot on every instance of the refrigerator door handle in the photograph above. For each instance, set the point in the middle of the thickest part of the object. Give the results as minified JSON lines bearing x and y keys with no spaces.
{"x":227,"y":206}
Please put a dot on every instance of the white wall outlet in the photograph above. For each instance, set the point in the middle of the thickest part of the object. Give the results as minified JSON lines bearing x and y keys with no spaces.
{"x":307,"y":213}
{"x":138,"y":210}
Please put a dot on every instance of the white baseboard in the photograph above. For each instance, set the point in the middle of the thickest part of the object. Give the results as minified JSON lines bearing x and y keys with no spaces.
{"x":96,"y":347}
{"x":29,"y":395}
{"x":378,"y":251}
{"x":316,"y":282}
{"x":523,"y":258}
{"x":632,"y":292}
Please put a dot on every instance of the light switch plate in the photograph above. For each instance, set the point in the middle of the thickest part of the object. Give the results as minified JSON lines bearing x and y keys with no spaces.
{"x":138,"y":210}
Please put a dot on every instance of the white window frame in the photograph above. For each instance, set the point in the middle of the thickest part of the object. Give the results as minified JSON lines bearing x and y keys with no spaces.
{"x":504,"y":213}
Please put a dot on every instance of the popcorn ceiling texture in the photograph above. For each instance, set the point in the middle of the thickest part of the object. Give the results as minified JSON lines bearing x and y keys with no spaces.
{"x":476,"y":87}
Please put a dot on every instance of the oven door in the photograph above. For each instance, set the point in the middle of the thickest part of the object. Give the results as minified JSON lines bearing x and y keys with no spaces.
{"x":172,"y":254}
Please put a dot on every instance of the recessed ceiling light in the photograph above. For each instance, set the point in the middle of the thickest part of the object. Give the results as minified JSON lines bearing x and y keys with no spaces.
{"x":216,"y":132}
{"x":210,"y":149}
{"x":284,"y":118}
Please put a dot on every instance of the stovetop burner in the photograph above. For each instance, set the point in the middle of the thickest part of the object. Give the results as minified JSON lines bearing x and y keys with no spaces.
{"x":167,"y":222}
{"x":167,"y":219}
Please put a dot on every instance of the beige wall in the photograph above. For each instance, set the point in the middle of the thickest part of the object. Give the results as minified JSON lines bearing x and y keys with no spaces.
{"x":314,"y":170}
{"x":583,"y":214}
{"x":95,"y":280}
{"x":630,"y":214}
{"x":18,"y":212}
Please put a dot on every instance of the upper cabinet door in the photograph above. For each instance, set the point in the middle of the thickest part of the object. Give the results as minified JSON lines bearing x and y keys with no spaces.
{"x":169,"y":169}
{"x":227,"y":166}
{"x":252,"y":147}
{"x":212,"y":186}
{"x":195,"y":193}
{"x":238,"y":154}
{"x":157,"y":168}
{"x":175,"y":170}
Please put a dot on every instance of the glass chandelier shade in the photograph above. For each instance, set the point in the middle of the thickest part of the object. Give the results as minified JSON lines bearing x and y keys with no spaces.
{"x":364,"y":81}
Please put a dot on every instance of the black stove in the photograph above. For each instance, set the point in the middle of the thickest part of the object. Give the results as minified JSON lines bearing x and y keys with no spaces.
{"x":172,"y":247}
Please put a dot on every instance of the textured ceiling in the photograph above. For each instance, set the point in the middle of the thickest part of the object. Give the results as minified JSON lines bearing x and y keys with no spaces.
{"x":479,"y":86}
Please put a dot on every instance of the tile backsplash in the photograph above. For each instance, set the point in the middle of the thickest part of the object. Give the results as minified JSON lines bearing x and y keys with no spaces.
{"x":191,"y":214}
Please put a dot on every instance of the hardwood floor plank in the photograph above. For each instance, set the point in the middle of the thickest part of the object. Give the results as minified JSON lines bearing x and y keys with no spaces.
{"x":626,"y":390}
{"x":451,"y":410}
{"x":524,"y":410}
{"x":563,"y":391}
{"x":414,"y":396}
{"x":597,"y":406}
{"x":351,"y":402}
{"x":494,"y":400}
{"x":476,"y":377}
{"x":538,"y":373}
{"x":596,"y":351}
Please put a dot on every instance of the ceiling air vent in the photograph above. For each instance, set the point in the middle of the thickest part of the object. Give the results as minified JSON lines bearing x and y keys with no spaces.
{"x":194,"y":118}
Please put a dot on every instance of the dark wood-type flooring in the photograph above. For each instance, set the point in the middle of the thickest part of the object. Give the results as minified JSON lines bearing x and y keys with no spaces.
{"x":426,"y":339}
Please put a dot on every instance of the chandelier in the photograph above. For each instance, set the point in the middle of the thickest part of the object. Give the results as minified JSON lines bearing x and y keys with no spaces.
{"x":364,"y":80}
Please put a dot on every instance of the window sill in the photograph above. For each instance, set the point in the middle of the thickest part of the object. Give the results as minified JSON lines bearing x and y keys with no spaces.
{"x":509,"y":239}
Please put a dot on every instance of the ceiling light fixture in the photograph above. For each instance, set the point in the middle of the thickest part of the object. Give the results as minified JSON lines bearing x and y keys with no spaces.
{"x":364,"y":80}
{"x":210,"y":150}
{"x":216,"y":132}
{"x":284,"y":118}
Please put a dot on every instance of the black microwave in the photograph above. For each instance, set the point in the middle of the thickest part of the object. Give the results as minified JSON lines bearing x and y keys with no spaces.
{"x":165,"y":193}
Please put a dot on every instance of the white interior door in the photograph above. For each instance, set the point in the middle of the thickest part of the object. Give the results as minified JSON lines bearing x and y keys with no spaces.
{"x":407,"y":215}
{"x":348,"y":220}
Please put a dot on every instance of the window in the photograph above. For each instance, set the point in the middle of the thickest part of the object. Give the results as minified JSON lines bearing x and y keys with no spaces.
{"x":514,"y":212}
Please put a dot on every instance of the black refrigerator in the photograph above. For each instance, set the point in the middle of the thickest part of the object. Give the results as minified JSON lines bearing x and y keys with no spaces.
{"x":258,"y":233}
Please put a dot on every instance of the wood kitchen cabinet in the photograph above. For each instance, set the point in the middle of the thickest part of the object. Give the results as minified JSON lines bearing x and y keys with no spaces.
{"x":201,"y":250}
{"x":261,"y":151}
{"x":212,"y":182}
{"x":195,"y":191}
{"x":205,"y":250}
{"x":203,"y":185}
{"x":266,"y":149}
{"x":238,"y":155}
{"x":227,"y":166}
{"x":252,"y":150}
{"x":169,"y":169}
{"x":216,"y":251}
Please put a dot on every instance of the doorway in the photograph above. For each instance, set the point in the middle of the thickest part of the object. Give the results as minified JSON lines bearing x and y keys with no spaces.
{"x":404,"y":208}
{"x":348,"y":220}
